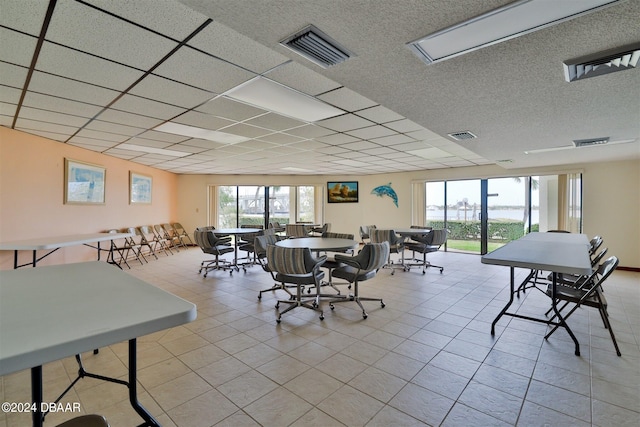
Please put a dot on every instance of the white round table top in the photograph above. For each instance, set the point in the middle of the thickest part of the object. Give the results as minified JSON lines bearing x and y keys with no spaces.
{"x":319,"y":243}
{"x":236,"y":230}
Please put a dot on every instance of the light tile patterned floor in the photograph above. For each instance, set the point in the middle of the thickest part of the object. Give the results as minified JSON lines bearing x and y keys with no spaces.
{"x":427,"y":358}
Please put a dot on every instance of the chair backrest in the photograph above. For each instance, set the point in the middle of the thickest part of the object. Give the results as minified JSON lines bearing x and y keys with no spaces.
{"x":437,"y":237}
{"x":333,"y":235}
{"x":365,"y":230}
{"x":292,"y":261}
{"x":594,"y":244}
{"x":596,"y":259}
{"x":381,"y":235}
{"x":297,"y":230}
{"x":606,"y":268}
{"x":377,"y":255}
{"x":205,"y":239}
{"x":261,"y":243}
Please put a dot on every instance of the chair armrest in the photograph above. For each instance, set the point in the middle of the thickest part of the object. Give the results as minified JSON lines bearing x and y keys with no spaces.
{"x":352,"y":261}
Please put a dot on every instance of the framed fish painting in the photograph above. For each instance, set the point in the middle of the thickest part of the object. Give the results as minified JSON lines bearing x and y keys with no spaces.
{"x":342,"y":192}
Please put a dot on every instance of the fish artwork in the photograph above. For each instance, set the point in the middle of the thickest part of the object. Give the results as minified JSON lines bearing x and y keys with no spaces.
{"x":386,"y":190}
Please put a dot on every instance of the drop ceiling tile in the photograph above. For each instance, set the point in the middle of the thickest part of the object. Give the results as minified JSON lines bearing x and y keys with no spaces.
{"x":224,"y":43}
{"x":380,"y":114}
{"x":172,"y":19}
{"x":13,"y":75}
{"x":149,"y":143}
{"x":344,"y":123}
{"x":89,"y":147}
{"x":170,"y":92}
{"x":246,"y":130}
{"x":256,"y":145}
{"x":392,"y":140}
{"x":309,"y":131}
{"x":359,"y":145}
{"x":104,"y":144}
{"x":16,"y":48}
{"x":70,"y":89}
{"x":233,"y":149}
{"x":52,"y":117}
{"x":430,"y":153}
{"x":105,"y":136}
{"x":86,"y":68}
{"x":51,"y":135}
{"x":303,"y":79}
{"x":333,"y":150}
{"x":9,"y":110}
{"x":274,"y":122}
{"x":202,"y":120}
{"x":379,"y":151}
{"x":84,"y":28}
{"x":337,"y":138}
{"x":133,"y":104}
{"x":116,"y":116}
{"x":10,"y":95}
{"x":280,"y":138}
{"x":347,"y":99}
{"x":415,"y":145}
{"x":371,"y":132}
{"x":116,"y":128}
{"x":162,"y":136}
{"x":204,"y":71}
{"x":230,"y":109}
{"x":423,"y":134}
{"x":60,"y":105}
{"x":405,"y":126}
{"x":25,"y":16}
{"x":203,"y":143}
{"x":310,"y":144}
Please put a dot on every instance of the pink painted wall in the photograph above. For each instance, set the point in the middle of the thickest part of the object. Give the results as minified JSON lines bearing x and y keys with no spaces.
{"x":32,"y":196}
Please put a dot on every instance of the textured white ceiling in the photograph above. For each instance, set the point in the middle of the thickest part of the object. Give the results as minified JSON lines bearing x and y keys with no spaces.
{"x":109,"y":72}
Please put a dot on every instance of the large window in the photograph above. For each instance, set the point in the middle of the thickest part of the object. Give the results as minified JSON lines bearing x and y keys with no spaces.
{"x":246,"y":205}
{"x":484,"y":214}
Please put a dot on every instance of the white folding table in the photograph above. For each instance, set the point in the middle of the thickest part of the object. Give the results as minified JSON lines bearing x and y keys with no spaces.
{"x":555,"y":252}
{"x":53,"y":312}
{"x":54,"y":243}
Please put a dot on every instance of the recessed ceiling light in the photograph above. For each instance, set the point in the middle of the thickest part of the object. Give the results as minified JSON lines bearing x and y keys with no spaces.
{"x":269,"y":95}
{"x":200,"y":133}
{"x":152,"y":150}
{"x":505,"y":23}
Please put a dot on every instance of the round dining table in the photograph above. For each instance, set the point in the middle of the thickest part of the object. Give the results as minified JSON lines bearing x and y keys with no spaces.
{"x":319,"y":244}
{"x":235,"y":232}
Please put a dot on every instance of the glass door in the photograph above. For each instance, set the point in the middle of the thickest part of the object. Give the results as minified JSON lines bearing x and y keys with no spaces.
{"x":463,"y":212}
{"x":251,"y":205}
{"x":508,"y":210}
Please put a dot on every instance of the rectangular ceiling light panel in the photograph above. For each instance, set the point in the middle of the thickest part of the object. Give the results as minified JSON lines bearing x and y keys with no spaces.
{"x":269,"y":95}
{"x":200,"y":133}
{"x":507,"y":22}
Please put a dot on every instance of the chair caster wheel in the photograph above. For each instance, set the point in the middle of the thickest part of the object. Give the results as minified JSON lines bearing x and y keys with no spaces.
{"x":278,"y":305}
{"x":278,"y":321}
{"x":331,"y":306}
{"x":364,"y":315}
{"x":424,"y":272}
{"x":322,"y":317}
{"x":260,"y":296}
{"x":382,"y":304}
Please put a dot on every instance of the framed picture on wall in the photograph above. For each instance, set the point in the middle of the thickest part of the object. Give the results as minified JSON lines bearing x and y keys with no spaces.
{"x":84,"y":183}
{"x":140,"y":187}
{"x":342,"y":192}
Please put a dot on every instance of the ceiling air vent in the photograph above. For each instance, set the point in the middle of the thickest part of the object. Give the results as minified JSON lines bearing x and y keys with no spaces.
{"x":607,"y":62}
{"x":590,"y":142}
{"x":317,"y":47}
{"x":461,"y":136}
